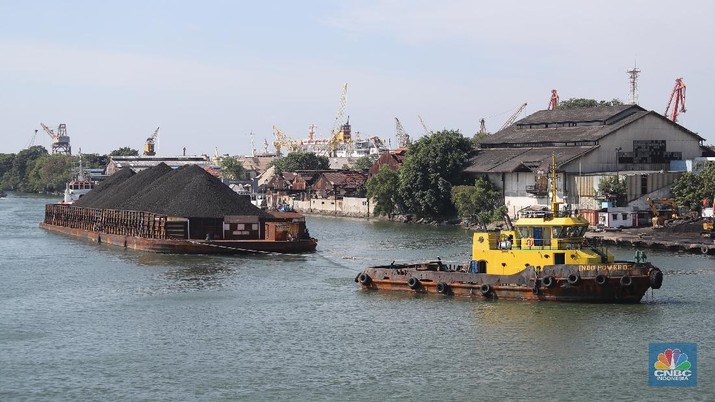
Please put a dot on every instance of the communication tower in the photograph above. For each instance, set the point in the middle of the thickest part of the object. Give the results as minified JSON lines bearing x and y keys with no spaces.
{"x":633,"y":73}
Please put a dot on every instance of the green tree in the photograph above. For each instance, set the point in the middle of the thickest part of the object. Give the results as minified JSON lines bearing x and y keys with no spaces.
{"x":124,"y":151}
{"x":232,"y":169}
{"x":691,"y":189}
{"x":364,"y":162}
{"x":574,"y":103}
{"x":611,"y":188}
{"x":482,"y":199}
{"x":434,"y":163}
{"x":301,"y":161}
{"x":6,"y":161}
{"x":478,"y":137}
{"x":50,"y":173}
{"x":381,"y":188}
{"x":22,"y":164}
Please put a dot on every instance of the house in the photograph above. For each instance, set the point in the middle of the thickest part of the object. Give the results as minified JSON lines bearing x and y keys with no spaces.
{"x":589,"y":144}
{"x":393,"y":159}
{"x":338,"y":184}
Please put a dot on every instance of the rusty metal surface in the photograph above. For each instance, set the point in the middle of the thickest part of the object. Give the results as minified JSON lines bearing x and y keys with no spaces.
{"x":620,"y":282}
{"x":189,"y":246}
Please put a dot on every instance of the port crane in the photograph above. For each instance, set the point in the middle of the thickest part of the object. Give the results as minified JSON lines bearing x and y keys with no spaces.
{"x":150,"y":143}
{"x":424,"y":126}
{"x":513,"y":117}
{"x":340,"y":132}
{"x":282,"y":140}
{"x":403,"y":139}
{"x":60,"y":141}
{"x":677,"y":99}
{"x":554,"y":101}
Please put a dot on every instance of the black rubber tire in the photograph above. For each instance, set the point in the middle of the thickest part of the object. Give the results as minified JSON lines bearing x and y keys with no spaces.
{"x":535,"y":290}
{"x":549,"y":282}
{"x":357,"y":278}
{"x":365,"y":279}
{"x":442,"y":288}
{"x":413,"y":283}
{"x":626,"y":281}
{"x":656,"y":278}
{"x":601,"y":280}
{"x":485,"y":289}
{"x":574,"y":279}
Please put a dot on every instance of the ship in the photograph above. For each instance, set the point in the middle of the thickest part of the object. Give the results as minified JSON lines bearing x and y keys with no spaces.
{"x":541,"y":256}
{"x":78,"y":186}
{"x":181,"y":211}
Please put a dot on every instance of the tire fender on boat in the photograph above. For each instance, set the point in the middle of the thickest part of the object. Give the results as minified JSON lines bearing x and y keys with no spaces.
{"x":574,"y":279}
{"x":626,"y":281}
{"x":704,"y":249}
{"x":364,"y":279}
{"x":656,"y":278}
{"x":443,"y":288}
{"x":601,"y":280}
{"x":413,"y":283}
{"x":485,"y":289}
{"x":549,"y":281}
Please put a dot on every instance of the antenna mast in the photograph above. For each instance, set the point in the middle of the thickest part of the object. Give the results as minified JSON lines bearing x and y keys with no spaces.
{"x":634,"y":84}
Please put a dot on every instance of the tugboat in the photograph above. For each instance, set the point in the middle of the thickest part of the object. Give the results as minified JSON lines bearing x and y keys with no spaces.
{"x":78,"y":187}
{"x":543,"y":256}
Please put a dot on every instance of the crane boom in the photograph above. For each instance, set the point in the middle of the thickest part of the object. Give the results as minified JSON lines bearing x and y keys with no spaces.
{"x":150,"y":143}
{"x":513,"y":117}
{"x":424,"y":126}
{"x":60,"y":140}
{"x":403,"y":139}
{"x":678,"y":95}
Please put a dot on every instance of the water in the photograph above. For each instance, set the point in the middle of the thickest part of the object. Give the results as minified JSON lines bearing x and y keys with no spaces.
{"x":81,"y":321}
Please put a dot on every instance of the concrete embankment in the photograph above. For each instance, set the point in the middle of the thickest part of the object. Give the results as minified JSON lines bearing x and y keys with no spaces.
{"x":659,"y":239}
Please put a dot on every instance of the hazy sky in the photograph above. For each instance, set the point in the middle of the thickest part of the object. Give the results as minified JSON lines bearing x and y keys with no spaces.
{"x":210,"y":72}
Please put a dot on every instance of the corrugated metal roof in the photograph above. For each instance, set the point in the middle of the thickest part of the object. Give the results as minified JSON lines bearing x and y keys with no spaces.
{"x":505,"y":160}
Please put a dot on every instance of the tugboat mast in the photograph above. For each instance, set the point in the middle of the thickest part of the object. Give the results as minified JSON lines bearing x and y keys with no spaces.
{"x":554,"y":179}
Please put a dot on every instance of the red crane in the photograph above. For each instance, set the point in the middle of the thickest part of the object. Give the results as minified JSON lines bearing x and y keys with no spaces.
{"x":678,"y":95}
{"x":554,"y":102}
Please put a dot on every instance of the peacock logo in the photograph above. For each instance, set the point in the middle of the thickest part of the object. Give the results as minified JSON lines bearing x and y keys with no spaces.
{"x":672,"y":359}
{"x":673,"y":365}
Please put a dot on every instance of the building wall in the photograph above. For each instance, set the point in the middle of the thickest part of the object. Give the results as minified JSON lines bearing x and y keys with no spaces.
{"x":348,"y":206}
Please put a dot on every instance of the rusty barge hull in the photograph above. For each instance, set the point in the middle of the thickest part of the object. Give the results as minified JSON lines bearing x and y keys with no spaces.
{"x":598,"y":283}
{"x":184,"y":246}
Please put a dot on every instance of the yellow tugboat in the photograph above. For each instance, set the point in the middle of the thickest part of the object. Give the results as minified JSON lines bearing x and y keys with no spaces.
{"x":542,"y":256}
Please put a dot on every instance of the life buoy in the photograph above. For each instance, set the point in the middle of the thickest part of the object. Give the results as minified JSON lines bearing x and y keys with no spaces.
{"x":443,"y":288}
{"x":485,"y":289}
{"x":529,"y":242}
{"x":626,"y":281}
{"x":365,"y":279}
{"x":549,"y":282}
{"x":601,"y":280}
{"x":413,"y":283}
{"x":574,"y":279}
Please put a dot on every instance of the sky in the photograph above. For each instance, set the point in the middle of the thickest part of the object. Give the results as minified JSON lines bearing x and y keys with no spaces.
{"x":210,"y":73}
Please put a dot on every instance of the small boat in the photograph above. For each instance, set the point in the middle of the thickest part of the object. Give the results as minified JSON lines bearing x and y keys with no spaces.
{"x":543,"y":256}
{"x":78,"y":187}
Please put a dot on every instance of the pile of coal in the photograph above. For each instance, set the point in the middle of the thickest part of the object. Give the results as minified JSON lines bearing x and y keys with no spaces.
{"x":188,"y":191}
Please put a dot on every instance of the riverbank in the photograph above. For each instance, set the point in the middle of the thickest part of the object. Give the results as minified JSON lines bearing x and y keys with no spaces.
{"x":658,"y":238}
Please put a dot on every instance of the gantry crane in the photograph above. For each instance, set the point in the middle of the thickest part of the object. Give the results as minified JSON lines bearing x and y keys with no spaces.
{"x":403,"y":139}
{"x":424,"y":126}
{"x":284,"y":141}
{"x":678,"y":95}
{"x":150,"y":143}
{"x":554,"y":101}
{"x":340,"y":132}
{"x":60,"y":141}
{"x":513,"y":117}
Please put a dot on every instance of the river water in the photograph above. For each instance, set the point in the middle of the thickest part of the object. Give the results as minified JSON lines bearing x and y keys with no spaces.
{"x":81,"y":321}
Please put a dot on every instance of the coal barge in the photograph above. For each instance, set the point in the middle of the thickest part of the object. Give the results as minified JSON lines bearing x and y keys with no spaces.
{"x":185,"y":211}
{"x":543,"y":256}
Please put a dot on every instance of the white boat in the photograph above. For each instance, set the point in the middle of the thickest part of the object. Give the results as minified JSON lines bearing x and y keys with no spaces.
{"x":81,"y":185}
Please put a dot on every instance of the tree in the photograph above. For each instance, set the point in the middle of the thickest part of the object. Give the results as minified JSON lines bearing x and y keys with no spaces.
{"x":434,"y":163}
{"x":50,"y":173}
{"x":124,"y":151}
{"x":482,"y":199}
{"x":478,"y":137}
{"x":22,"y":164}
{"x":574,"y":103}
{"x":6,"y":161}
{"x":381,"y":188}
{"x":301,"y":161}
{"x":232,"y":169}
{"x":365,"y":162}
{"x":611,"y":188}
{"x":691,"y":189}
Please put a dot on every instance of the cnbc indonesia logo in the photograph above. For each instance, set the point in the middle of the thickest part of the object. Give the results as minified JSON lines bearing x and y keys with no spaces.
{"x":672,"y":366}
